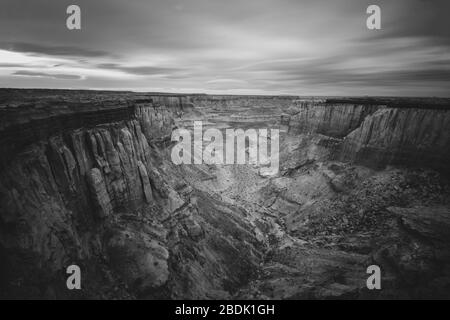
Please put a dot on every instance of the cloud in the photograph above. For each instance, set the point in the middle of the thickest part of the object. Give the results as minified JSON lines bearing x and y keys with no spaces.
{"x":52,"y":50}
{"x":10,"y":65}
{"x":47,"y":75}
{"x":139,"y":70}
{"x":260,"y":46}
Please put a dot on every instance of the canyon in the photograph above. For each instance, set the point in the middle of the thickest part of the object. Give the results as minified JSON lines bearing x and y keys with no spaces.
{"x":86,"y":178}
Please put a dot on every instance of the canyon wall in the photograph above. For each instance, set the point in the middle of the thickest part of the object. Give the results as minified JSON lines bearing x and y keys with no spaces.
{"x":86,"y":179}
{"x":377,"y":135}
{"x":91,"y":187}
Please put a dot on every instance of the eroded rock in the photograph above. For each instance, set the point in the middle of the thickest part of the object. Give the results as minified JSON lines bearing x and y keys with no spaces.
{"x":139,"y":259}
{"x":99,"y":194}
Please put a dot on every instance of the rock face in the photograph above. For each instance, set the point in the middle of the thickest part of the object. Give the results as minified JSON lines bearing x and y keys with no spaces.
{"x":103,"y":197}
{"x":86,"y":178}
{"x":401,"y":136}
{"x":432,"y":223}
{"x":335,"y":120}
{"x":378,"y":135}
{"x":140,"y":259}
{"x":100,"y":196}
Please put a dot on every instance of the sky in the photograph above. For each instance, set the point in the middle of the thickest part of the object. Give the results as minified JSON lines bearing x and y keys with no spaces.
{"x":292,"y":47}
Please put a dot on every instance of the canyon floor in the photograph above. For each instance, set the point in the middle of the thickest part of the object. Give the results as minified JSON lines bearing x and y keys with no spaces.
{"x":361,"y":182}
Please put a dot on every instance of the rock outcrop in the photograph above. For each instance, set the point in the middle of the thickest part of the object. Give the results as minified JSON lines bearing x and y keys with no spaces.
{"x":103,"y":197}
{"x":409,"y":137}
{"x":379,"y":135}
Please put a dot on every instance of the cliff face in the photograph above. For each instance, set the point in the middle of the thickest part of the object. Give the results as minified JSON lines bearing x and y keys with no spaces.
{"x":338,"y":197}
{"x":335,"y":120}
{"x":409,"y":137}
{"x":378,"y":135}
{"x":104,"y":198}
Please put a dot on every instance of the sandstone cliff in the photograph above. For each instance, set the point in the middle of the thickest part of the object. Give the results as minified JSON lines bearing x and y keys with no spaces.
{"x":95,"y":191}
{"x":377,"y":135}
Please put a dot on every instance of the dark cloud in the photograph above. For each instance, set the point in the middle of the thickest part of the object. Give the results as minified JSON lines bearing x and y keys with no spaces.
{"x":10,"y":65}
{"x":46,"y":75}
{"x":52,"y":50}
{"x":415,"y":18}
{"x":140,"y":70}
{"x":233,"y":46}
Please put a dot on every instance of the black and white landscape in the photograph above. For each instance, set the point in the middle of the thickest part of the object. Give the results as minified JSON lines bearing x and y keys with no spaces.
{"x":87,"y":176}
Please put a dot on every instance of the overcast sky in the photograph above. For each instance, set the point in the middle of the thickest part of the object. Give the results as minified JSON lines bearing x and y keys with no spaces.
{"x":312,"y":47}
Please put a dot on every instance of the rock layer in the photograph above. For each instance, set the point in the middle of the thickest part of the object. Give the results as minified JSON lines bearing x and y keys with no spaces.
{"x":103,"y":197}
{"x":379,"y":135}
